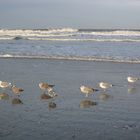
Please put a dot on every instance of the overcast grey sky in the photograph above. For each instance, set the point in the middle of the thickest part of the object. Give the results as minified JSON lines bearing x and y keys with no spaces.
{"x":70,"y":13}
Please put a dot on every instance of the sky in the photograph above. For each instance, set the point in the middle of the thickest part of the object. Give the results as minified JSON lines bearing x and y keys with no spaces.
{"x":95,"y":14}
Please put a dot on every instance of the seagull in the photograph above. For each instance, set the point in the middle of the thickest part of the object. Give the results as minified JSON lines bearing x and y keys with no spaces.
{"x":105,"y":85}
{"x":132,"y":79}
{"x":45,"y":86}
{"x":4,"y":84}
{"x":87,"y":90}
{"x":17,"y":90}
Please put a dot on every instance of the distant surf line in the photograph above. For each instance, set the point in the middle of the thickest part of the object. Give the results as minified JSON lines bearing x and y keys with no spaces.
{"x":70,"y":34}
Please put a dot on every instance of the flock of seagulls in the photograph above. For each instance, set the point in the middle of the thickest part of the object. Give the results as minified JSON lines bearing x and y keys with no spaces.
{"x":89,"y":90}
{"x":49,"y":92}
{"x":16,"y":90}
{"x":104,"y":85}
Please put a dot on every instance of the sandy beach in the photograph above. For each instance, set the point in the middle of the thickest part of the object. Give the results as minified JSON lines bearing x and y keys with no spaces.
{"x":70,"y":115}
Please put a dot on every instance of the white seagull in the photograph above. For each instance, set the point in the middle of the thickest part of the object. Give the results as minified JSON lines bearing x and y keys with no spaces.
{"x":87,"y":90}
{"x":105,"y":85}
{"x":4,"y":84}
{"x":131,"y":79}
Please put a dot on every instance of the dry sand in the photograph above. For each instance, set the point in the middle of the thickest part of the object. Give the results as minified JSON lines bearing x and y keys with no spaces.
{"x":70,"y":115}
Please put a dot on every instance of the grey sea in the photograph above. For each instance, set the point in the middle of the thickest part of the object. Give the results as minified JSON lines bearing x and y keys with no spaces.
{"x":75,"y":44}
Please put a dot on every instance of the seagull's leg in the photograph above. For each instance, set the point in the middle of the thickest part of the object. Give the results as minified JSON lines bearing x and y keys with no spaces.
{"x":104,"y":90}
{"x":18,"y":95}
{"x":86,"y":95}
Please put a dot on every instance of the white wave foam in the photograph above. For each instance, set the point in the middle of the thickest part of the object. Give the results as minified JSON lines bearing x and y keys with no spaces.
{"x":62,"y":30}
{"x":88,"y":39}
{"x":69,"y":34}
{"x":7,"y":55}
{"x":4,"y":32}
{"x":6,"y":38}
{"x":118,"y":33}
{"x":70,"y":58}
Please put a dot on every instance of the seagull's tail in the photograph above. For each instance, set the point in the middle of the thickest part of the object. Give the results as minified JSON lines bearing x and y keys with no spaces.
{"x":96,"y":89}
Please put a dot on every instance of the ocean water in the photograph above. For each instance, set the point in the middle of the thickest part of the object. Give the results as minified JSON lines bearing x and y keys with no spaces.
{"x":75,"y":44}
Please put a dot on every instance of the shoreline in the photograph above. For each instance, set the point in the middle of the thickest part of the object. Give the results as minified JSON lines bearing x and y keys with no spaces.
{"x":7,"y":56}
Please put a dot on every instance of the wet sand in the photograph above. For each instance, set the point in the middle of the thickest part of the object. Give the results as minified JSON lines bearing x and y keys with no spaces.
{"x":70,"y":115}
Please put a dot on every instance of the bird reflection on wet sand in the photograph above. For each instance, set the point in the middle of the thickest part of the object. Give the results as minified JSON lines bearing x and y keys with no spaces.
{"x":45,"y":96}
{"x":131,"y":90}
{"x":104,"y":96}
{"x":4,"y":96}
{"x":87,"y":103}
{"x":52,"y":105}
{"x":16,"y":101}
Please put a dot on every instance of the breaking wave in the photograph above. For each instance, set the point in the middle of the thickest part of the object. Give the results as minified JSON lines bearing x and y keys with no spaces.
{"x":70,"y":34}
{"x":71,"y":44}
